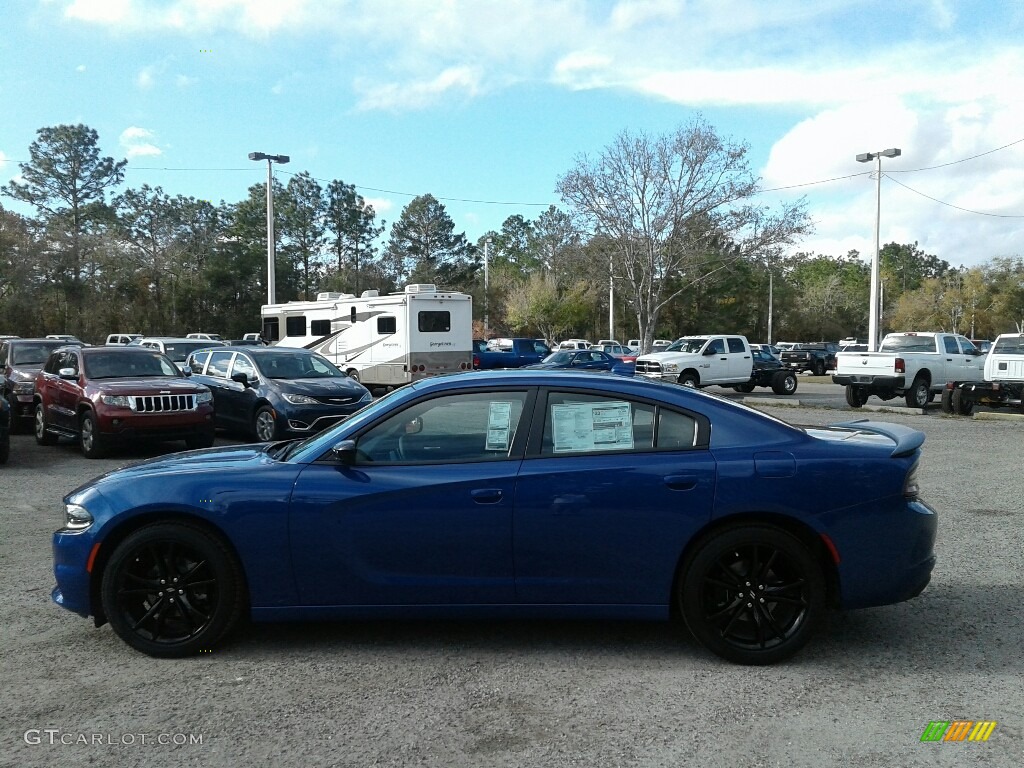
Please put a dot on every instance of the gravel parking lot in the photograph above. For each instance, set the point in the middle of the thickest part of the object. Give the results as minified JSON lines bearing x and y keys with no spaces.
{"x":537,"y":693}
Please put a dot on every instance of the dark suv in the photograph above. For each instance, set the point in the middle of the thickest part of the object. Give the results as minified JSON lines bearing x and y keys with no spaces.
{"x":103,"y":394}
{"x":20,"y":361}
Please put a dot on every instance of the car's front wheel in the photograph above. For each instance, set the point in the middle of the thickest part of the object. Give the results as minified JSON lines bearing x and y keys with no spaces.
{"x":264,"y":424}
{"x":689,"y":379}
{"x":751,"y":594}
{"x":172,"y":590}
{"x":43,"y":436}
{"x":94,"y":445}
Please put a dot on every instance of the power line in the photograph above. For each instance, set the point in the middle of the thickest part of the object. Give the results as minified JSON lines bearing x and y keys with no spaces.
{"x":950,"y":205}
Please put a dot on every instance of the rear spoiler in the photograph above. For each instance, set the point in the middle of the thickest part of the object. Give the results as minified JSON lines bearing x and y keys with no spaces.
{"x":907,"y":439}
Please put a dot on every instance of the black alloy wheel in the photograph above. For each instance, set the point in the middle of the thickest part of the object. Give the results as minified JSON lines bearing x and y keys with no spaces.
{"x":172,"y":590}
{"x":855,"y":396}
{"x":917,"y":395}
{"x":751,"y":594}
{"x":43,"y":436}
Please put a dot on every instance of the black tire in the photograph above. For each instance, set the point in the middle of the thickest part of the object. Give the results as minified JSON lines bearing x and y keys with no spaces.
{"x":264,"y":425}
{"x":42,"y":436}
{"x":195,"y":442}
{"x":751,"y":594}
{"x":172,"y":590}
{"x":962,"y":406}
{"x":748,"y":387}
{"x":855,"y":396}
{"x":784,"y":383}
{"x":94,"y":445}
{"x":353,"y":374}
{"x":917,"y":395}
{"x":689,"y":379}
{"x":946,"y":404}
{"x":819,"y":367}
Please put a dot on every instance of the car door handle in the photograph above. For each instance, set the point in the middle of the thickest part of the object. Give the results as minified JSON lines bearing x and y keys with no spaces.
{"x":486,"y":495}
{"x":681,"y":482}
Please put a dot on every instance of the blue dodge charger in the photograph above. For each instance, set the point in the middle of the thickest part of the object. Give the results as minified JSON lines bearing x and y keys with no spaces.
{"x":512,"y":494}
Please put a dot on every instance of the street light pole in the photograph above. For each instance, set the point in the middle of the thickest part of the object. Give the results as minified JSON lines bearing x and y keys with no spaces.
{"x":271,"y":265}
{"x":487,"y":285}
{"x":771,"y":286}
{"x":867,"y":157}
{"x":611,"y":298}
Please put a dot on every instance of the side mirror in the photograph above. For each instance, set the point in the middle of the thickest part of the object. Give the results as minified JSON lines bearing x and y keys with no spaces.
{"x":345,"y":452}
{"x":241,"y":378}
{"x":709,"y":352}
{"x":67,"y":373}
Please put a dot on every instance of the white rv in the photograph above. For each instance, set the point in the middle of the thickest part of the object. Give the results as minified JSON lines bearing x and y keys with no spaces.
{"x":379,"y":340}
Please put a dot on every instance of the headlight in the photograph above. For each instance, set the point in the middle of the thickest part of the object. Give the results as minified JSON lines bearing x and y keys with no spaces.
{"x":368,"y":396}
{"x":122,"y":401}
{"x":76,"y":517}
{"x":24,"y":387}
{"x":670,"y":367}
{"x":299,"y":399}
{"x":204,"y":397}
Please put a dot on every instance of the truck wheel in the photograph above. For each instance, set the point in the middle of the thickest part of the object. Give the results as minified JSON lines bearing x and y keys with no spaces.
{"x":784,"y":383}
{"x":819,"y":367}
{"x":962,"y":405}
{"x":856,"y":396}
{"x":748,"y":387}
{"x":353,"y":374}
{"x":946,"y":403}
{"x":689,"y":379}
{"x":917,"y":395}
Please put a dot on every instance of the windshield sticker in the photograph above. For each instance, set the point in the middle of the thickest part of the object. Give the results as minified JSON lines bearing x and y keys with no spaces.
{"x":499,"y":424}
{"x":591,"y":427}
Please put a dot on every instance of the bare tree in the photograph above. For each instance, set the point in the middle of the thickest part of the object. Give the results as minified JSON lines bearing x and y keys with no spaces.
{"x":667,"y":205}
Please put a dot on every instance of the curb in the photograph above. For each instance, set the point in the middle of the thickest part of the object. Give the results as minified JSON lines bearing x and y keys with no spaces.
{"x":770,"y":401}
{"x":996,"y":416}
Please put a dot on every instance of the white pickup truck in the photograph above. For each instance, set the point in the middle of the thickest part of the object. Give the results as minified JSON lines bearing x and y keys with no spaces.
{"x":1003,"y":386}
{"x":697,"y":361}
{"x":915,"y":366}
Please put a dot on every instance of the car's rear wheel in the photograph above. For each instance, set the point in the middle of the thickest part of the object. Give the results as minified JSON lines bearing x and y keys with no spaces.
{"x":751,"y":594}
{"x":94,"y":445}
{"x":748,"y":387}
{"x":946,"y":404}
{"x":819,"y":367}
{"x":962,"y":405}
{"x":264,"y":424}
{"x":689,"y":379}
{"x":172,"y":590}
{"x":917,"y":395}
{"x":43,"y":437}
{"x":856,"y":396}
{"x":784,"y":383}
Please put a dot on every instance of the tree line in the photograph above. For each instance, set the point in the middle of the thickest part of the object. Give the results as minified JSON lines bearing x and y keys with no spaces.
{"x":670,"y":222}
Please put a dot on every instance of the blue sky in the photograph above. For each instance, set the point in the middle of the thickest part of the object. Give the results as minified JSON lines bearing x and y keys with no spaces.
{"x":485,"y":104}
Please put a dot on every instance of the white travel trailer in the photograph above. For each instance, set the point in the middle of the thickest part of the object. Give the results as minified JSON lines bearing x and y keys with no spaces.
{"x":383,"y":341}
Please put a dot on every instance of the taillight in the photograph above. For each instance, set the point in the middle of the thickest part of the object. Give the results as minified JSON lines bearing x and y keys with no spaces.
{"x":476,"y":361}
{"x":911,"y":489}
{"x":901,"y":365}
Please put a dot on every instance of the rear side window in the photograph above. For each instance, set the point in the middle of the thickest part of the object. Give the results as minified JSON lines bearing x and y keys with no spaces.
{"x":219,"y":362}
{"x":950,"y":343}
{"x":434,"y":322}
{"x":736,"y":345}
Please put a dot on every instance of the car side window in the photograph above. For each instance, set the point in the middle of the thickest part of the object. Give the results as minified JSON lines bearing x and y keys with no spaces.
{"x":244,"y":365}
{"x":577,"y":423}
{"x":218,"y":367}
{"x":471,"y":426}
{"x":950,"y":344}
{"x":967,"y":345}
{"x":716,"y":347}
{"x":736,"y":345}
{"x":197,"y":360}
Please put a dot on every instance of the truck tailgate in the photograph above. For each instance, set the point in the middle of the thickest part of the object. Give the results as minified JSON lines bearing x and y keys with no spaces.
{"x":866,"y":364}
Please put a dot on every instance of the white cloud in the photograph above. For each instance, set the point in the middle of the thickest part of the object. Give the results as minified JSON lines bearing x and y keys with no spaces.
{"x":381,"y":205}
{"x":138,"y":142}
{"x":109,"y":12}
{"x":184,"y":81}
{"x":464,"y":81}
{"x":145,"y":78}
{"x":80,"y":68}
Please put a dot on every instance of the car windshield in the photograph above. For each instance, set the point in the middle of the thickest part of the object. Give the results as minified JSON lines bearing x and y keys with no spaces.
{"x":120,"y":366}
{"x":296,"y":365}
{"x":1011,"y":345}
{"x":558,"y":357}
{"x":179,"y":350}
{"x":687,"y":345}
{"x":32,"y":354}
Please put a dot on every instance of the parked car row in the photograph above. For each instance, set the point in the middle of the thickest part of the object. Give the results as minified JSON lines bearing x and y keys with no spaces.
{"x":104,"y":395}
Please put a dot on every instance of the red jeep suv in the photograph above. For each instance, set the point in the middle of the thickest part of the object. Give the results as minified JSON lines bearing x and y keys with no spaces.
{"x":103,"y":394}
